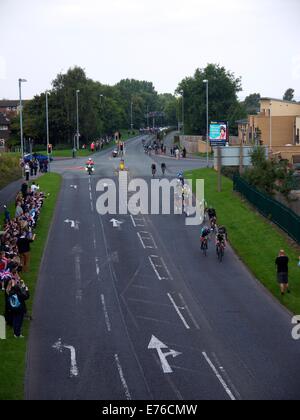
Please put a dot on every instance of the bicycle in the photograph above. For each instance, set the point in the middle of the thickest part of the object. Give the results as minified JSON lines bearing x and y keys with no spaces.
{"x":204,"y":246}
{"x":220,"y":251}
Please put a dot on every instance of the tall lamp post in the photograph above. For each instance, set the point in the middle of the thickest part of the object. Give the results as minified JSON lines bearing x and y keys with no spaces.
{"x":182,"y":97}
{"x":21,"y":116}
{"x":207,"y":123}
{"x":47,"y":128}
{"x":77,"y":113}
{"x":131,"y":115}
{"x":271,"y":128}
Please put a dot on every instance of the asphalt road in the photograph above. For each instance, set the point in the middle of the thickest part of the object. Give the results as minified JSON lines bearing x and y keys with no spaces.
{"x":137,"y":312}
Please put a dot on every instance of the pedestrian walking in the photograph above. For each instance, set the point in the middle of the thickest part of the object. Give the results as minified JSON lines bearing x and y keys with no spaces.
{"x":282,"y":263}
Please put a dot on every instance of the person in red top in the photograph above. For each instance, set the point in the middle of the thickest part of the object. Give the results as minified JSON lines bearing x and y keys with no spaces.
{"x":93,"y":147}
{"x":3,"y":261}
{"x":90,"y":162}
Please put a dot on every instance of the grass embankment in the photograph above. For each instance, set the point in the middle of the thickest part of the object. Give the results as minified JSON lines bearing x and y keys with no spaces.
{"x":254,"y":239}
{"x":9,"y":169}
{"x":12,"y":351}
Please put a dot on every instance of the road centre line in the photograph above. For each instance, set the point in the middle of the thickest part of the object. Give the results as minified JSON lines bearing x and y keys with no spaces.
{"x":122,"y":377}
{"x":107,"y":320}
{"x":219,"y":377}
{"x":178,"y":312}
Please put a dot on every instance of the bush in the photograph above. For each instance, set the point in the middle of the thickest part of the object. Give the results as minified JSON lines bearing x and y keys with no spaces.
{"x":9,"y":169}
{"x":230,"y":171}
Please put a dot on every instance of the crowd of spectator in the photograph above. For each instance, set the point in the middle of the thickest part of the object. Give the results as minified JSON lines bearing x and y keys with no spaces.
{"x":15,"y":239}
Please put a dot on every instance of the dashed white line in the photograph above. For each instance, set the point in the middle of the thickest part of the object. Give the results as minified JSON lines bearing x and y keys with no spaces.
{"x":141,"y":240}
{"x":189,"y":312}
{"x":219,"y":377}
{"x":97,"y":266}
{"x":154,"y":266}
{"x":133,"y":221}
{"x":122,"y":377}
{"x":178,"y":312}
{"x":107,"y":320}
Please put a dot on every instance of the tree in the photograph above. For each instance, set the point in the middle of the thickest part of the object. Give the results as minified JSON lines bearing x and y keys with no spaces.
{"x":223,"y":89}
{"x":289,"y":95}
{"x":252,"y":103}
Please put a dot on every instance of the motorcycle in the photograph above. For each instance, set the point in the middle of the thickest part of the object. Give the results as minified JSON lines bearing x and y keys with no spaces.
{"x":90,"y":169}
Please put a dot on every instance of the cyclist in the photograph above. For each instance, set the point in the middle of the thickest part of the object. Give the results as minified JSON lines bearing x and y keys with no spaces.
{"x":153,"y":169}
{"x":180,"y":177}
{"x":211,"y":213}
{"x":205,"y":232}
{"x":163,"y":168}
{"x":223,"y":231}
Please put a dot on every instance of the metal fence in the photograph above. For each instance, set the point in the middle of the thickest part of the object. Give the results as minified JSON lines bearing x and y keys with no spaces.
{"x":279,"y":214}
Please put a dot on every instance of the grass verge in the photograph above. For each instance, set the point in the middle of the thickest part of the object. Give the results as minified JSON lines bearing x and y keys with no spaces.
{"x":12,"y":351}
{"x":9,"y":169}
{"x":254,"y":239}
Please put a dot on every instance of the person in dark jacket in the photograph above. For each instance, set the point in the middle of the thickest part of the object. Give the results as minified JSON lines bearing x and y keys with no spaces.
{"x":23,"y":245}
{"x":17,"y":297}
{"x":282,"y":263}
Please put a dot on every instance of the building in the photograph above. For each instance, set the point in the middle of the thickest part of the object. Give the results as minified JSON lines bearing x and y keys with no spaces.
{"x":9,"y":107}
{"x":4,"y":131}
{"x":277,"y":126}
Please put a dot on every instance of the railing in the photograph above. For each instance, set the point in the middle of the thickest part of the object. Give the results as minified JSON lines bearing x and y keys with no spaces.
{"x":279,"y":214}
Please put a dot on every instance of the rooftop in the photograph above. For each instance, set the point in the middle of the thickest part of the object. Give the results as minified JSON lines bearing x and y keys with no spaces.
{"x":281,"y":100}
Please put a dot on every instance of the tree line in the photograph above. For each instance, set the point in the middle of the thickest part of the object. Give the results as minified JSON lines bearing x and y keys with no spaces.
{"x":103,"y":109}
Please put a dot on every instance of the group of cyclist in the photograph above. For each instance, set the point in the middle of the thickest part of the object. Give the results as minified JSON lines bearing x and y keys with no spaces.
{"x":221,"y":236}
{"x":154,"y":169}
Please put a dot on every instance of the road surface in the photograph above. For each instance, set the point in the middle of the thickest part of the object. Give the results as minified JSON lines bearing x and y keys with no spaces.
{"x":133,"y":310}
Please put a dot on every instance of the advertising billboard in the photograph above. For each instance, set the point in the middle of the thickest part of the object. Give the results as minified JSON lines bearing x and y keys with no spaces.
{"x":218,"y":133}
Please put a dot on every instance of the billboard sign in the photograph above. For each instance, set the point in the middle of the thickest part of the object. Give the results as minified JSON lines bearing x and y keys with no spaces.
{"x":218,"y":133}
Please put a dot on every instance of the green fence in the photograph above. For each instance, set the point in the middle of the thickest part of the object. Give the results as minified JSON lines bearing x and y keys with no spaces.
{"x":279,"y":214}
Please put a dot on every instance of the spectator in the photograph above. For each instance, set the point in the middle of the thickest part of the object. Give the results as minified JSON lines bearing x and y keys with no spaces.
{"x":17,"y":295}
{"x":282,"y":263}
{"x":23,"y":245}
{"x":27,"y":171}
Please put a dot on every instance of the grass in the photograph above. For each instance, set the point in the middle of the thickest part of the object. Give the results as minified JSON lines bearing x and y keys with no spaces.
{"x":13,"y":352}
{"x":9,"y":169}
{"x":254,"y":239}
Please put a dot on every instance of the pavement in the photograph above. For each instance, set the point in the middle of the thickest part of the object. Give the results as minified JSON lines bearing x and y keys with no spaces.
{"x":131,"y":309}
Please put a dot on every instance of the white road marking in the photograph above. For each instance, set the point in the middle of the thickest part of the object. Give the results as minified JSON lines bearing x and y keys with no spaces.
{"x":59,"y":347}
{"x":97,"y":266}
{"x":154,"y":267}
{"x":107,"y":321}
{"x":122,"y":377}
{"x":78,"y":279}
{"x":141,"y":240}
{"x":189,"y":312}
{"x":178,"y":312}
{"x":133,"y":222}
{"x":219,"y":377}
{"x":116,"y":223}
{"x":145,"y":237}
{"x":156,"y":344}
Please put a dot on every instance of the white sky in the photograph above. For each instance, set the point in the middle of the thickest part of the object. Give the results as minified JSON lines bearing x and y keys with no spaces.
{"x":161,"y":41}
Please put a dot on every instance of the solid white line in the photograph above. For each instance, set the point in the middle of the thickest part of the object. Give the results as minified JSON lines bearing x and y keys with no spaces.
{"x":78,"y":279}
{"x":123,"y":380}
{"x":219,"y":377}
{"x":179,"y":313}
{"x":107,"y":321}
{"x":91,"y":197}
{"x":140,"y":238}
{"x":133,"y":222}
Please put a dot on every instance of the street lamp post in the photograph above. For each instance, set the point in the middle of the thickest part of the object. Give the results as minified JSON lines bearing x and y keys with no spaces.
{"x":182,"y":94}
{"x":207,"y":123}
{"x":270,"y":128}
{"x":21,"y":116}
{"x":147,"y":116}
{"x":131,"y":115}
{"x":47,"y":128}
{"x":77,"y":113}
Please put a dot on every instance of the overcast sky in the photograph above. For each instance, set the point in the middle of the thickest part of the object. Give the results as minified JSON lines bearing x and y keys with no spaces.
{"x":161,"y":41}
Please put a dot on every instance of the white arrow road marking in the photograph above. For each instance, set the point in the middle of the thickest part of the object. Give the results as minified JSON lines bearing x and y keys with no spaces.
{"x":59,"y":347}
{"x":74,"y":224}
{"x":156,"y":344}
{"x":116,"y":223}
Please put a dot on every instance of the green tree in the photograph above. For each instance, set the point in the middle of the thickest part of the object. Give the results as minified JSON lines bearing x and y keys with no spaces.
{"x":289,"y":95}
{"x":223,"y":90}
{"x":252,"y":103}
